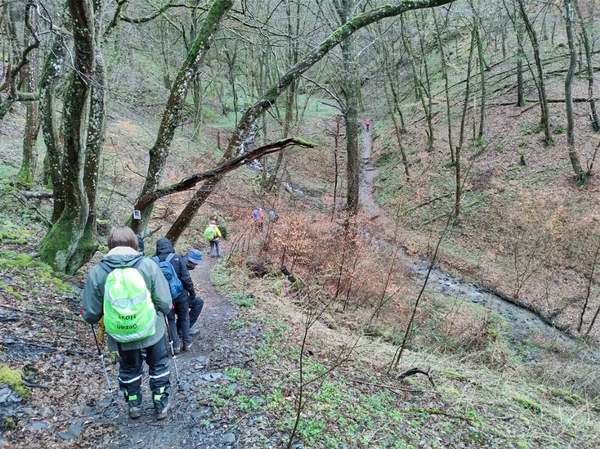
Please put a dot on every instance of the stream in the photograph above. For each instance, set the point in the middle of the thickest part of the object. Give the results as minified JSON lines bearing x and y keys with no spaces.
{"x":524,"y":322}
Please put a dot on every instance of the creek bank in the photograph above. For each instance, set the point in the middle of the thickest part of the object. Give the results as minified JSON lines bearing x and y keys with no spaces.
{"x":524,"y":323}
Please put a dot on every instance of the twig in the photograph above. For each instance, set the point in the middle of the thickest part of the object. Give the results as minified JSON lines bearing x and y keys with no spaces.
{"x":413,"y":371}
{"x":24,"y":203}
{"x":32,"y":385}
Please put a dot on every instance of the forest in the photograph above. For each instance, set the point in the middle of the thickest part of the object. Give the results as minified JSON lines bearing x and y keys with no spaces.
{"x":428,"y":275}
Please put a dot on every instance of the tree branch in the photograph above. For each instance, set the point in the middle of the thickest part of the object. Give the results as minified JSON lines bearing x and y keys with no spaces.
{"x":227,"y":166}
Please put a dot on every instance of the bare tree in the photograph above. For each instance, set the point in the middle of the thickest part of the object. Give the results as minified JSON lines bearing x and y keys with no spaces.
{"x":580,"y":176}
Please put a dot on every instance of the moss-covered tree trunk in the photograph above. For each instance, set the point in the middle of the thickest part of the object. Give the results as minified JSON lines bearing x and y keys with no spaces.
{"x":60,"y":246}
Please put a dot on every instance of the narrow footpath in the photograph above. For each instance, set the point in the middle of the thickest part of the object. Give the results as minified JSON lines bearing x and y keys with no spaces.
{"x":524,"y":322}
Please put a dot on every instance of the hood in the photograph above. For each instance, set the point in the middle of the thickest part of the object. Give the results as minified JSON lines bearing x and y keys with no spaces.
{"x":122,"y":256}
{"x":164,"y":246}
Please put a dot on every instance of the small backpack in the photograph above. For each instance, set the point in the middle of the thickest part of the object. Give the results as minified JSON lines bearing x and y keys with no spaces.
{"x":168,"y":271}
{"x":209,"y":233}
{"x":129,"y":313}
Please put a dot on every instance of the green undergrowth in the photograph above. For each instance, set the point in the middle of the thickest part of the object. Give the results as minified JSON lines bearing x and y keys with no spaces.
{"x":484,"y":393}
{"x":28,"y":274}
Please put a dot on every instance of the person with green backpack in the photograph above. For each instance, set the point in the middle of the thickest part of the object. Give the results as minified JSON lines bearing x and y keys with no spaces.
{"x":132,"y":296}
{"x":212,"y":234}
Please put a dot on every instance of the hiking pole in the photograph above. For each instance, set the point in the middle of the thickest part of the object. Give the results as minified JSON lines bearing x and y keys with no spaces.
{"x":172,"y":350}
{"x":101,"y":357}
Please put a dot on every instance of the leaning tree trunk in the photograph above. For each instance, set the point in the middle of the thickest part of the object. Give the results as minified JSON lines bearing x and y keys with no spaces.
{"x":173,"y":110}
{"x":573,"y":156}
{"x":275,"y":90}
{"x":59,"y":245}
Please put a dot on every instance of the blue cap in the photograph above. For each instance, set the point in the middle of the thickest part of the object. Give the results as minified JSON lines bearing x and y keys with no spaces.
{"x":195,"y":256}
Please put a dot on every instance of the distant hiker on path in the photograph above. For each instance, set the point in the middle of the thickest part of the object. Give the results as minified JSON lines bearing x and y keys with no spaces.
{"x":212,"y":234}
{"x":166,"y":253}
{"x":257,"y":217}
{"x":367,"y":124}
{"x":194,"y":258}
{"x":124,"y":274}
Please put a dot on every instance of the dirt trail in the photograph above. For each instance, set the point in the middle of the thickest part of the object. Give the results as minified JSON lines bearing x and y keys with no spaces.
{"x":366,"y":198}
{"x":524,"y":322}
{"x":190,"y":422}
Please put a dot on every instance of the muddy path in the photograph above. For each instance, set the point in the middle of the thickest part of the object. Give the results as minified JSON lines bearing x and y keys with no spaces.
{"x":193,"y":420}
{"x":524,"y":323}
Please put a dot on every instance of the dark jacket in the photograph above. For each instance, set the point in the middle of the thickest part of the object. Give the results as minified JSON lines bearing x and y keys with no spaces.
{"x":164,"y":247}
{"x":93,"y":293}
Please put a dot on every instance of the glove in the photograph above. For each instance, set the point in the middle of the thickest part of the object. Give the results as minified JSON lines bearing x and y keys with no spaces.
{"x":101,"y":330}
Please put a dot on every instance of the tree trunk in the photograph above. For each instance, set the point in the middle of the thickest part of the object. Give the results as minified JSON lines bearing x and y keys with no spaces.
{"x":59,"y":245}
{"x":351,"y":87}
{"x":440,"y":44}
{"x":26,"y":174}
{"x":540,"y":82}
{"x":419,"y":87}
{"x":173,"y":110}
{"x":573,"y":157}
{"x":482,"y":79}
{"x":520,"y":58}
{"x":461,"y":139}
{"x":53,"y":69}
{"x":589,"y":68}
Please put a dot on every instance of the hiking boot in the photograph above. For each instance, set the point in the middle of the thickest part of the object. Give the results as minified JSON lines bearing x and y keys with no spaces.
{"x":162,"y":414}
{"x":134,"y":412}
{"x":176,"y":349}
{"x":187,"y":347}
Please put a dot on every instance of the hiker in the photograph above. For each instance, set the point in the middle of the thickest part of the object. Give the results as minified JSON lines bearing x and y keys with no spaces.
{"x":181,"y":307}
{"x":257,"y":216}
{"x":194,"y":258}
{"x":272,"y":215}
{"x":140,"y":240}
{"x":212,"y":234}
{"x":367,"y":124}
{"x":147,"y":277}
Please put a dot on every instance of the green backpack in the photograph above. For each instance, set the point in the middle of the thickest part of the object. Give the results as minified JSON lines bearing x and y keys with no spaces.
{"x":129,"y":313}
{"x":209,"y":233}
